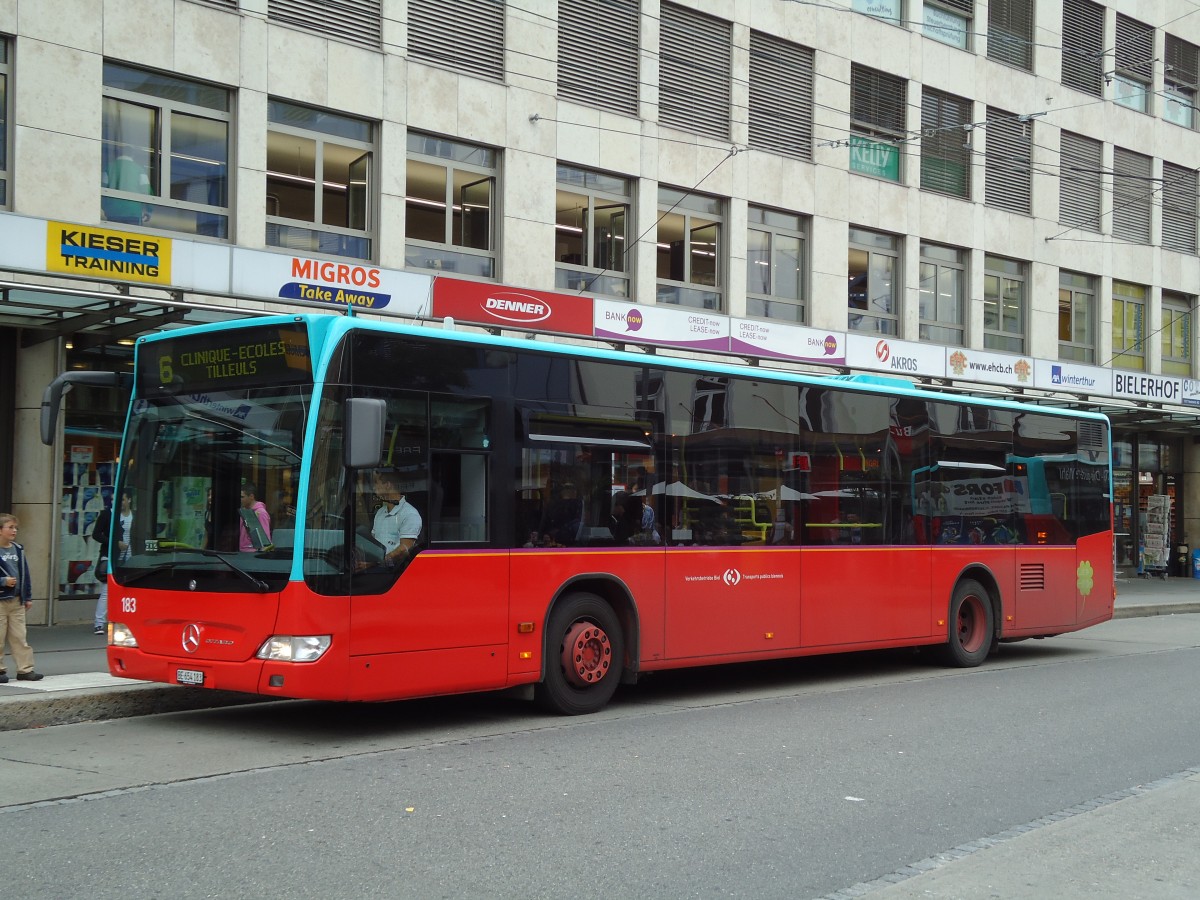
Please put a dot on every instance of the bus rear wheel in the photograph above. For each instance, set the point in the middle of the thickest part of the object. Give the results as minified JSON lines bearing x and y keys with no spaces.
{"x":585,"y":655}
{"x":971,"y":625}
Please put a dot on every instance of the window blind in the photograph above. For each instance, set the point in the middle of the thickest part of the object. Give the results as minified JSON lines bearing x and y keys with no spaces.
{"x":1179,"y":208}
{"x":945,"y":160}
{"x":1010,"y":32}
{"x":1132,"y":194}
{"x":352,"y":21}
{"x":598,"y":53}
{"x":1083,"y":46}
{"x":877,"y":101}
{"x":1079,"y":181}
{"x":695,"y":71}
{"x":464,"y":35}
{"x":1008,"y":178}
{"x":781,"y":96}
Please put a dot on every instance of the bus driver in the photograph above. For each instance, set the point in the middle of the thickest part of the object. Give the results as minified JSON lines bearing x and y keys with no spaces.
{"x":397,"y":523}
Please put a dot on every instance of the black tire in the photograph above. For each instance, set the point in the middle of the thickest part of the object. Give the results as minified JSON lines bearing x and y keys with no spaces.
{"x":581,"y":678}
{"x":971,"y":626}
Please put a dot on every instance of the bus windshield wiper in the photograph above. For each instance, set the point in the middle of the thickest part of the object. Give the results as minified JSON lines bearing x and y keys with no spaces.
{"x":259,"y":585}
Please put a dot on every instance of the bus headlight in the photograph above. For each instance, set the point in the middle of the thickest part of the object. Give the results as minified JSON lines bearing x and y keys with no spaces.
{"x":120,"y":635}
{"x":289,"y":648}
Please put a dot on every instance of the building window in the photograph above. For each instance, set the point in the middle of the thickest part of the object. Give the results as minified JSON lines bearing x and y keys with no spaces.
{"x":450,"y":206}
{"x":1010,"y":33}
{"x":949,"y":21}
{"x":463,"y":35}
{"x":591,"y":232}
{"x":353,"y":21}
{"x":1080,"y":185}
{"x":1083,"y":46}
{"x":598,"y":54}
{"x":775,"y":265}
{"x":1181,"y":74}
{"x":695,"y":75}
{"x":690,"y":249}
{"x":877,"y":124}
{"x":945,"y":156}
{"x":164,"y":152}
{"x":4,"y":125}
{"x":873,"y":279}
{"x":1134,"y":55}
{"x":1076,"y":317}
{"x":1003,"y":304}
{"x":319,"y":172}
{"x":942,"y":291}
{"x":1177,"y":334}
{"x":781,"y":96}
{"x":1128,"y":325}
{"x":888,"y":10}
{"x":1179,"y":208}
{"x":1133,"y":195}
{"x":1008,"y":175}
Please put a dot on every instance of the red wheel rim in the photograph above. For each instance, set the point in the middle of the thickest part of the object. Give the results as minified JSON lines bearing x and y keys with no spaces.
{"x":586,"y":654}
{"x":971,"y":622}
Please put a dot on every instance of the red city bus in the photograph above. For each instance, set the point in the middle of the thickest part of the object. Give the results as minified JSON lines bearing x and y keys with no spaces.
{"x":447,"y":512}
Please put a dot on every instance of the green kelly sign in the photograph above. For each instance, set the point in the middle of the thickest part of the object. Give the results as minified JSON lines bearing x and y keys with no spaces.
{"x":874,"y":158}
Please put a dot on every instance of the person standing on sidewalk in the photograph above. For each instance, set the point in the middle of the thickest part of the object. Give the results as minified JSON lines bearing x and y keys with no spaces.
{"x":15,"y":598}
{"x":114,"y":547}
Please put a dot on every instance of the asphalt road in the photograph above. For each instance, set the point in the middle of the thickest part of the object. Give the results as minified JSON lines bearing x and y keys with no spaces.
{"x":797,"y":779}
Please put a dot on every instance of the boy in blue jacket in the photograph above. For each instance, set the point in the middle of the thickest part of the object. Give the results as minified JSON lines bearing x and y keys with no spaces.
{"x":15,"y":597}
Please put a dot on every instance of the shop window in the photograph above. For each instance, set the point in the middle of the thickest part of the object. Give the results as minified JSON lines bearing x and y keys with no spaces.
{"x":690,"y":249}
{"x":1180,"y":77}
{"x":776,"y":262}
{"x":1134,"y":52}
{"x":583,"y":39}
{"x":1133,"y":195}
{"x":877,"y":122}
{"x":873,"y":282}
{"x":945,"y":156}
{"x":164,"y":153}
{"x":1079,"y":184}
{"x":592,"y":227}
{"x":695,"y":78}
{"x":1129,"y":325}
{"x":450,"y":206}
{"x":1177,"y":334}
{"x":942,"y":290}
{"x":1009,"y":162}
{"x":1004,"y":302}
{"x":781,"y":96}
{"x":1083,"y":46}
{"x":319,"y":181}
{"x":1076,"y":317}
{"x":463,"y":35}
{"x":949,"y":21}
{"x":888,"y":10}
{"x":1010,"y":33}
{"x":1179,"y":208}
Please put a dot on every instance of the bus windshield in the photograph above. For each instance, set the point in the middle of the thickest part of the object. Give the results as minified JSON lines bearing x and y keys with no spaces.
{"x":211,"y":480}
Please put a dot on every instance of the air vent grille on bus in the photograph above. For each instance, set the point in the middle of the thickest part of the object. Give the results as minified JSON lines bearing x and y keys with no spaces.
{"x":1091,"y":436}
{"x":1033,"y":577}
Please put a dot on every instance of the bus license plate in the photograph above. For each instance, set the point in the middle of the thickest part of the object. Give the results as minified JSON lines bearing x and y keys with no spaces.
{"x":189,"y":676}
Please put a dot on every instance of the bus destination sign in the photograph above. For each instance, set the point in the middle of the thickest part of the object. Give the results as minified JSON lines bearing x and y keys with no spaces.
{"x":227,"y":359}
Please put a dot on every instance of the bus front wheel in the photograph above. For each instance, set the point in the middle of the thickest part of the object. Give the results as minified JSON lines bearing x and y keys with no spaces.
{"x":585,"y":653}
{"x":972,"y":626}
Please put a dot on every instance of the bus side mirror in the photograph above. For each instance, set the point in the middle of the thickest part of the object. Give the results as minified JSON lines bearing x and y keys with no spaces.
{"x":52,"y":396}
{"x":365,"y":418}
